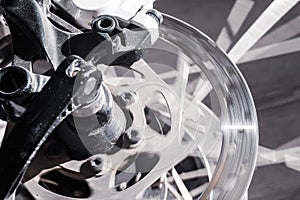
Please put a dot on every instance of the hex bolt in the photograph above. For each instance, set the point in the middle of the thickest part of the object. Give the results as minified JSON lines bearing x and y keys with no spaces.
{"x":92,"y":166}
{"x":129,"y":98}
{"x":105,"y":23}
{"x":96,"y":164}
{"x":156,"y":15}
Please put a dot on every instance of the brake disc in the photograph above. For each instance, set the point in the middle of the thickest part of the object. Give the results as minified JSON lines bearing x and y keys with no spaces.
{"x":158,"y":111}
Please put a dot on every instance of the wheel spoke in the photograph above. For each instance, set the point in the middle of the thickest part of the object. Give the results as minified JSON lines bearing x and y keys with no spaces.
{"x":261,"y":26}
{"x":202,"y":89}
{"x":272,"y":50}
{"x":173,"y":190}
{"x":180,"y":84}
{"x":199,"y":190}
{"x":182,"y":188}
{"x":290,"y":29}
{"x":235,"y":20}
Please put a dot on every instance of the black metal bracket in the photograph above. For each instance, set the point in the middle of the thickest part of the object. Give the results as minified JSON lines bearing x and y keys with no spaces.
{"x":49,"y":108}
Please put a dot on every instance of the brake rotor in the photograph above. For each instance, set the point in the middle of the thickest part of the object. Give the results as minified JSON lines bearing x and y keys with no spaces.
{"x":191,"y":129}
{"x":195,"y":120}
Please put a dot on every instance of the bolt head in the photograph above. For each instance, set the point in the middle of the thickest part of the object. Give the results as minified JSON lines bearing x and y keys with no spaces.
{"x":92,"y":166}
{"x":129,"y":97}
{"x":156,"y":15}
{"x":96,"y":164}
{"x":105,"y":23}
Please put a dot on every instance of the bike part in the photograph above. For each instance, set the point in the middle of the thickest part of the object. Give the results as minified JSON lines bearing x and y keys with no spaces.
{"x":197,"y":111}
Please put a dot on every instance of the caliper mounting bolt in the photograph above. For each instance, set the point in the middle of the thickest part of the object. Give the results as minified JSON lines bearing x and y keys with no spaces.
{"x":129,"y":98}
{"x":92,"y":166}
{"x":156,"y":15}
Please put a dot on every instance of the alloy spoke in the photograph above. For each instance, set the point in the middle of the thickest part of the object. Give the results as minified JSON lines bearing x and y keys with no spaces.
{"x":181,"y":186}
{"x":235,"y":20}
{"x":277,"y":49}
{"x":261,"y":26}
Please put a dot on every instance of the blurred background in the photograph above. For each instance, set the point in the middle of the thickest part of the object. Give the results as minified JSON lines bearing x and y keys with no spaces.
{"x":269,"y":58}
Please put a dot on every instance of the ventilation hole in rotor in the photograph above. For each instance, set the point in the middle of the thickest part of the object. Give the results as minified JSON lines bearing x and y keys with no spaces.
{"x":136,"y":168}
{"x":155,"y":122}
{"x":70,"y":107}
{"x":41,"y":66}
{"x":157,"y":113}
{"x":58,"y":183}
{"x":64,"y":114}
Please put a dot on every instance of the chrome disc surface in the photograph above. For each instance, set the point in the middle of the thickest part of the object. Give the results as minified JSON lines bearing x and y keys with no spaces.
{"x":196,"y":123}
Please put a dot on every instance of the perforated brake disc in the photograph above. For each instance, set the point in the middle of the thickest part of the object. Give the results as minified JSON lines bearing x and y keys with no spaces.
{"x":145,"y":110}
